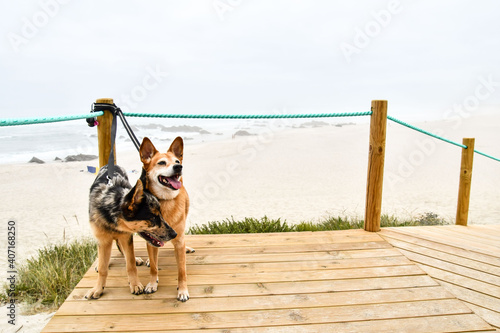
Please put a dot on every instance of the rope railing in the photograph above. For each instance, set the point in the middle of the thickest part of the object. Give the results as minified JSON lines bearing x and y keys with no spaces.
{"x":439,"y":137}
{"x":44,"y":120}
{"x":248,"y":116}
{"x":425,"y":132}
{"x":38,"y":120}
{"x":486,"y":155}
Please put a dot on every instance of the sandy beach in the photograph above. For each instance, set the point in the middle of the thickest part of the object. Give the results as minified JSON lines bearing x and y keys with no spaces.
{"x":294,"y":174}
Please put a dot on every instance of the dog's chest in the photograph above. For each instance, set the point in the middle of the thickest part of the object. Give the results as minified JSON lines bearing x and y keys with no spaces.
{"x":174,"y":210}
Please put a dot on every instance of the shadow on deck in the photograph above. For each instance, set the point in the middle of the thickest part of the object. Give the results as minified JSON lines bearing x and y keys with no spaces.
{"x":413,"y":279}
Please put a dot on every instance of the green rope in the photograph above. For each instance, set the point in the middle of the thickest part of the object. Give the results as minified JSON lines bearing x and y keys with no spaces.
{"x":251,"y":116}
{"x":30,"y":121}
{"x":486,"y":155}
{"x":425,"y":132}
{"x":439,"y":137}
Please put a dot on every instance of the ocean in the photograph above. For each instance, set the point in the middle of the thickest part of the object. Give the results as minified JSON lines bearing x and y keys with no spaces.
{"x":19,"y":144}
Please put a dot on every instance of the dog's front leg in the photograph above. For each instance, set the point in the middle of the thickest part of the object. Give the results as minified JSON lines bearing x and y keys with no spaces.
{"x":104,"y":254}
{"x":180,"y":257}
{"x":153,"y":269}
{"x":127,"y":245}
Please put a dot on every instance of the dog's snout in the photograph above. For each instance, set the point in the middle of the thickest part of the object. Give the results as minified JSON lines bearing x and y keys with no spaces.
{"x":172,"y":234}
{"x":177,"y":168}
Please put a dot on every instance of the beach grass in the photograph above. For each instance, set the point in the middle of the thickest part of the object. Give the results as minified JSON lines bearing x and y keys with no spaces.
{"x":45,"y":280}
{"x":265,"y":224}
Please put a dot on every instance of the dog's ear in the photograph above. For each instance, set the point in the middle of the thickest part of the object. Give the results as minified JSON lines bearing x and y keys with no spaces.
{"x":177,"y":147}
{"x":147,"y":151}
{"x":134,"y":198}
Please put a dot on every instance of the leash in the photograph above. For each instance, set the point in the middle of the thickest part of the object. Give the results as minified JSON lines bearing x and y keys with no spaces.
{"x":115,"y":111}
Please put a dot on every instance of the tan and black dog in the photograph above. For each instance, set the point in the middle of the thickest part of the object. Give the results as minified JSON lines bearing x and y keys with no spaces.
{"x":161,"y":175}
{"x":116,"y":212}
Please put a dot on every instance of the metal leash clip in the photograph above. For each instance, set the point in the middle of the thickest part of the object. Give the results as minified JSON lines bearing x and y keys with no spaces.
{"x":92,"y":121}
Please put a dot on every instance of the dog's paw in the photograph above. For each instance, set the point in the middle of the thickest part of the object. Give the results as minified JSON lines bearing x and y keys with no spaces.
{"x":182,"y":295}
{"x":136,"y":289}
{"x":190,"y":250}
{"x":94,"y":293}
{"x":148,"y":263}
{"x":152,"y":287}
{"x":139,"y":261}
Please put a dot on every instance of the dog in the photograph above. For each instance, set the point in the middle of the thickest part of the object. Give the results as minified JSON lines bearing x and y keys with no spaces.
{"x":116,"y":212}
{"x":162,"y":176}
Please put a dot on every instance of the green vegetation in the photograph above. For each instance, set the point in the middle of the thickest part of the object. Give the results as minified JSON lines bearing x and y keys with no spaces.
{"x":45,"y":281}
{"x":265,"y":224}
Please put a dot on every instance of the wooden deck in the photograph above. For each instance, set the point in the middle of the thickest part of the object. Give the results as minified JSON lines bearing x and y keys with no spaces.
{"x":431,"y":279}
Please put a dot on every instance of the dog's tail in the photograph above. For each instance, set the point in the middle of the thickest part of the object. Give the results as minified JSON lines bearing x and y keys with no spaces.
{"x":118,"y":246}
{"x":138,"y":260}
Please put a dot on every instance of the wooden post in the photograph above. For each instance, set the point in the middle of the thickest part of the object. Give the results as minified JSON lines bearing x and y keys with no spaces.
{"x":465,"y":181}
{"x":104,"y":133}
{"x":376,"y":157}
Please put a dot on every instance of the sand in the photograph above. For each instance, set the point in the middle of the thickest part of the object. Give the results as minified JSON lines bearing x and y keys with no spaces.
{"x":293,"y":174}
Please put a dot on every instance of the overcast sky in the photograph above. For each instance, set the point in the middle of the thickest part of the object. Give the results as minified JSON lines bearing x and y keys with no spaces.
{"x":249,"y":56}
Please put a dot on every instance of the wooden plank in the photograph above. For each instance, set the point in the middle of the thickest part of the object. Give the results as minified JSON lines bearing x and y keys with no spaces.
{"x":493,"y":229}
{"x":260,"y":267}
{"x":468,"y":234}
{"x":299,"y":248}
{"x":491,"y":317}
{"x":451,"y":323}
{"x":474,"y":297}
{"x":466,"y":282}
{"x":278,"y":257}
{"x":89,"y":281}
{"x":336,"y":234}
{"x":460,"y":270}
{"x":389,"y":234}
{"x":476,"y":231}
{"x":293,"y":238}
{"x":204,"y":320}
{"x":167,"y":306}
{"x":472,"y":264}
{"x":275,"y":288}
{"x":441,"y":237}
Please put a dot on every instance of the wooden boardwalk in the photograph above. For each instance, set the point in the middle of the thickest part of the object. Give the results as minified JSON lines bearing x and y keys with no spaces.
{"x":464,"y":260}
{"x":432,"y":279}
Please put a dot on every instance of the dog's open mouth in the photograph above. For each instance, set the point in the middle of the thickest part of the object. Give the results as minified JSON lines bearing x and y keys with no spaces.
{"x":170,"y":182}
{"x":151,"y":239}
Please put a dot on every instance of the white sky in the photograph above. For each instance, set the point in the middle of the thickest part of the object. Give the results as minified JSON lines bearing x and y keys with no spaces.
{"x":255,"y":57}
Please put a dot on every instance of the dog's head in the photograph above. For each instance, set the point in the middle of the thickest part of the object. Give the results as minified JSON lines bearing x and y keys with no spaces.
{"x":142,"y":214}
{"x":163,"y":170}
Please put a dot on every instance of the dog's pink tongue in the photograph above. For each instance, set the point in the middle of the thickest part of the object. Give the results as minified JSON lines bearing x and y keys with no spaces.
{"x":175,"y":183}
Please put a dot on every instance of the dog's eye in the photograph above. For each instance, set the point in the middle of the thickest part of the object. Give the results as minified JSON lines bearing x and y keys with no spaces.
{"x":162,"y":163}
{"x":177,"y":162}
